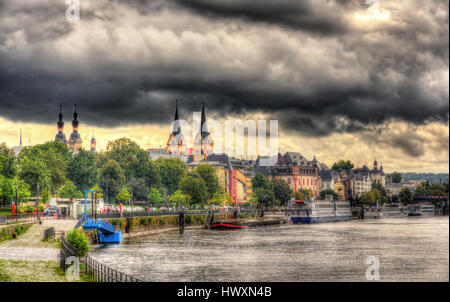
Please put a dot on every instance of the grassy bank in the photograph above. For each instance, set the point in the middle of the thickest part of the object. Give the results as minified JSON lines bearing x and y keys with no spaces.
{"x":30,"y":271}
{"x":7,"y":233}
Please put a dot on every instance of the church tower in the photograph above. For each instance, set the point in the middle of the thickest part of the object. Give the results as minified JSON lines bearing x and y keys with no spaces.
{"x":75,"y":141}
{"x":176,"y":144}
{"x":203,"y":143}
{"x":60,"y":136}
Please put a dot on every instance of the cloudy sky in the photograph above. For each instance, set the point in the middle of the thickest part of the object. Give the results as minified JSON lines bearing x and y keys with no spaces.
{"x":340,"y":87}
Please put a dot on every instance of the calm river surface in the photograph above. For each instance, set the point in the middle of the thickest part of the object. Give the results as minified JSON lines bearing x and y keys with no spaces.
{"x":409,"y":249}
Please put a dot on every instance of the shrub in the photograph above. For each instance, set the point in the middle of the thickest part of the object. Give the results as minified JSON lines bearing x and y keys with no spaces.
{"x":78,"y":240}
{"x":163,"y":220}
{"x":144,"y":221}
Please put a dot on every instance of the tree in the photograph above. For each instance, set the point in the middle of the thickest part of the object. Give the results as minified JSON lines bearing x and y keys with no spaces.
{"x":382,"y":191}
{"x":371,"y":197}
{"x":7,"y":191}
{"x":68,"y":190}
{"x":155,"y":196}
{"x":178,"y":198}
{"x":263,"y":196}
{"x":195,"y":189}
{"x":112,"y":179}
{"x":396,"y":177}
{"x":138,"y":188}
{"x":8,"y":167}
{"x":172,"y":171}
{"x":34,"y":172}
{"x":45,"y":195}
{"x":98,"y":192}
{"x":282,"y":190}
{"x":343,"y":164}
{"x":405,"y":195}
{"x":123,"y":195}
{"x":23,"y":189}
{"x":208,"y":174}
{"x":82,"y":171}
{"x":221,"y":198}
{"x":260,"y":181}
{"x":324,"y":193}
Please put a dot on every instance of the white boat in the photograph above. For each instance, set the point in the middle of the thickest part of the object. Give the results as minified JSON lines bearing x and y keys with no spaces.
{"x":421,"y":210}
{"x":321,"y":211}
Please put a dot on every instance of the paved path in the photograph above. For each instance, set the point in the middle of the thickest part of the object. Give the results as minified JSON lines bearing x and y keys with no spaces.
{"x":30,"y":246}
{"x":29,"y":253}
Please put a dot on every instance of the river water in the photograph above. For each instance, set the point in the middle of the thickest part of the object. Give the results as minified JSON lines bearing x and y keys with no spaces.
{"x":408,"y":249}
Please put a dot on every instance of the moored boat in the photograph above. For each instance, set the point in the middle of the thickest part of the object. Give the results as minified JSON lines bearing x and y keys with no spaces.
{"x":321,"y":211}
{"x":421,"y":210}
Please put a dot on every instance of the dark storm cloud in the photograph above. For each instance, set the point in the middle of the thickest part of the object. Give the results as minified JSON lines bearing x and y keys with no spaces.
{"x":311,"y":68}
{"x":318,"y":17}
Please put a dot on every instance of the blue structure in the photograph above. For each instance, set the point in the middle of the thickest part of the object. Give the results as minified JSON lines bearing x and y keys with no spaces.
{"x":106,"y":231}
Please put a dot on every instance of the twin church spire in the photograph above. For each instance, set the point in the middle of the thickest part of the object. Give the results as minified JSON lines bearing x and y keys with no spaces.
{"x":75,"y":142}
{"x":203,"y":144}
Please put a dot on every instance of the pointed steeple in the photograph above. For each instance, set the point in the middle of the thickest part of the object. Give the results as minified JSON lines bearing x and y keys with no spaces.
{"x":60,"y":122}
{"x":176,"y":126}
{"x":203,"y":128}
{"x":20,"y":143}
{"x":75,"y":122}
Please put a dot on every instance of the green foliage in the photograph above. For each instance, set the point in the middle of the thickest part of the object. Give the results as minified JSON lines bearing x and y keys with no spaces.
{"x":45,"y":195}
{"x":282,"y":190}
{"x":82,"y":171}
{"x":405,"y":195}
{"x":431,"y":189}
{"x":382,"y":191}
{"x":208,"y":174}
{"x":155,"y":196}
{"x":178,"y":198}
{"x":69,"y":190}
{"x":34,"y":171}
{"x":324,"y":193}
{"x":172,"y":171}
{"x":195,"y":189}
{"x":123,"y":195}
{"x":6,"y":233}
{"x":112,"y":179}
{"x":371,"y":197}
{"x":260,"y":181}
{"x":78,"y":240}
{"x":263,"y":196}
{"x":221,"y":198}
{"x":8,"y":166}
{"x":7,"y":190}
{"x":343,"y":164}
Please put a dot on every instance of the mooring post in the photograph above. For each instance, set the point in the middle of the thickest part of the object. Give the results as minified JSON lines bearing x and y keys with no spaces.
{"x":181,"y":220}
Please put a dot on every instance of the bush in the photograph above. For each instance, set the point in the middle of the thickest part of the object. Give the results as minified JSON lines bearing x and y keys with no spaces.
{"x":78,"y":240}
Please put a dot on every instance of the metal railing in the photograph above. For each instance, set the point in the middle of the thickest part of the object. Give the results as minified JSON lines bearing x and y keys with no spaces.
{"x":95,"y":270}
{"x":102,"y":273}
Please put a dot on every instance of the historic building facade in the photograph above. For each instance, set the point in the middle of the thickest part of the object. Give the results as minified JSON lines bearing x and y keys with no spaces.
{"x":60,"y":136}
{"x":377,"y":174}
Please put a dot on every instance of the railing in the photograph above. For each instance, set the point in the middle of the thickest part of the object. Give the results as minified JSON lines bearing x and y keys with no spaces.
{"x":23,"y":217}
{"x":49,"y":232}
{"x":102,"y":273}
{"x":95,"y":270}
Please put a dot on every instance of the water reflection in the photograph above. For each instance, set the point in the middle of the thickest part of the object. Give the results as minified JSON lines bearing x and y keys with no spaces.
{"x":410,"y":249}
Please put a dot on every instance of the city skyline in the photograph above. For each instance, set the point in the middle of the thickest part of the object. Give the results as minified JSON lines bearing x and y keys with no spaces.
{"x":341,"y":87}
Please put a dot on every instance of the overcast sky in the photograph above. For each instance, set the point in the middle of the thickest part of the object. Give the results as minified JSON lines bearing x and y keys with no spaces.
{"x":340,"y":87}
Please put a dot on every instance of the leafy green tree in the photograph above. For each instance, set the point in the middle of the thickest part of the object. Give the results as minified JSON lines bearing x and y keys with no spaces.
{"x":123,"y":195}
{"x":263,"y":196}
{"x":324,"y":193}
{"x":208,"y":174}
{"x":303,"y":194}
{"x":343,"y":164}
{"x":282,"y":190}
{"x":7,"y":191}
{"x":82,"y":171}
{"x":98,"y":193}
{"x":195,"y":189}
{"x":68,"y":190}
{"x":260,"y":181}
{"x":138,"y":188}
{"x":371,"y":197}
{"x":221,"y":198}
{"x":172,"y":171}
{"x":8,"y":166}
{"x":33,"y":172}
{"x":23,"y":189}
{"x":405,"y":195}
{"x":112,"y":179}
{"x":382,"y":191}
{"x":155,"y":196}
{"x":178,"y":198}
{"x":45,"y":195}
{"x":396,"y":177}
